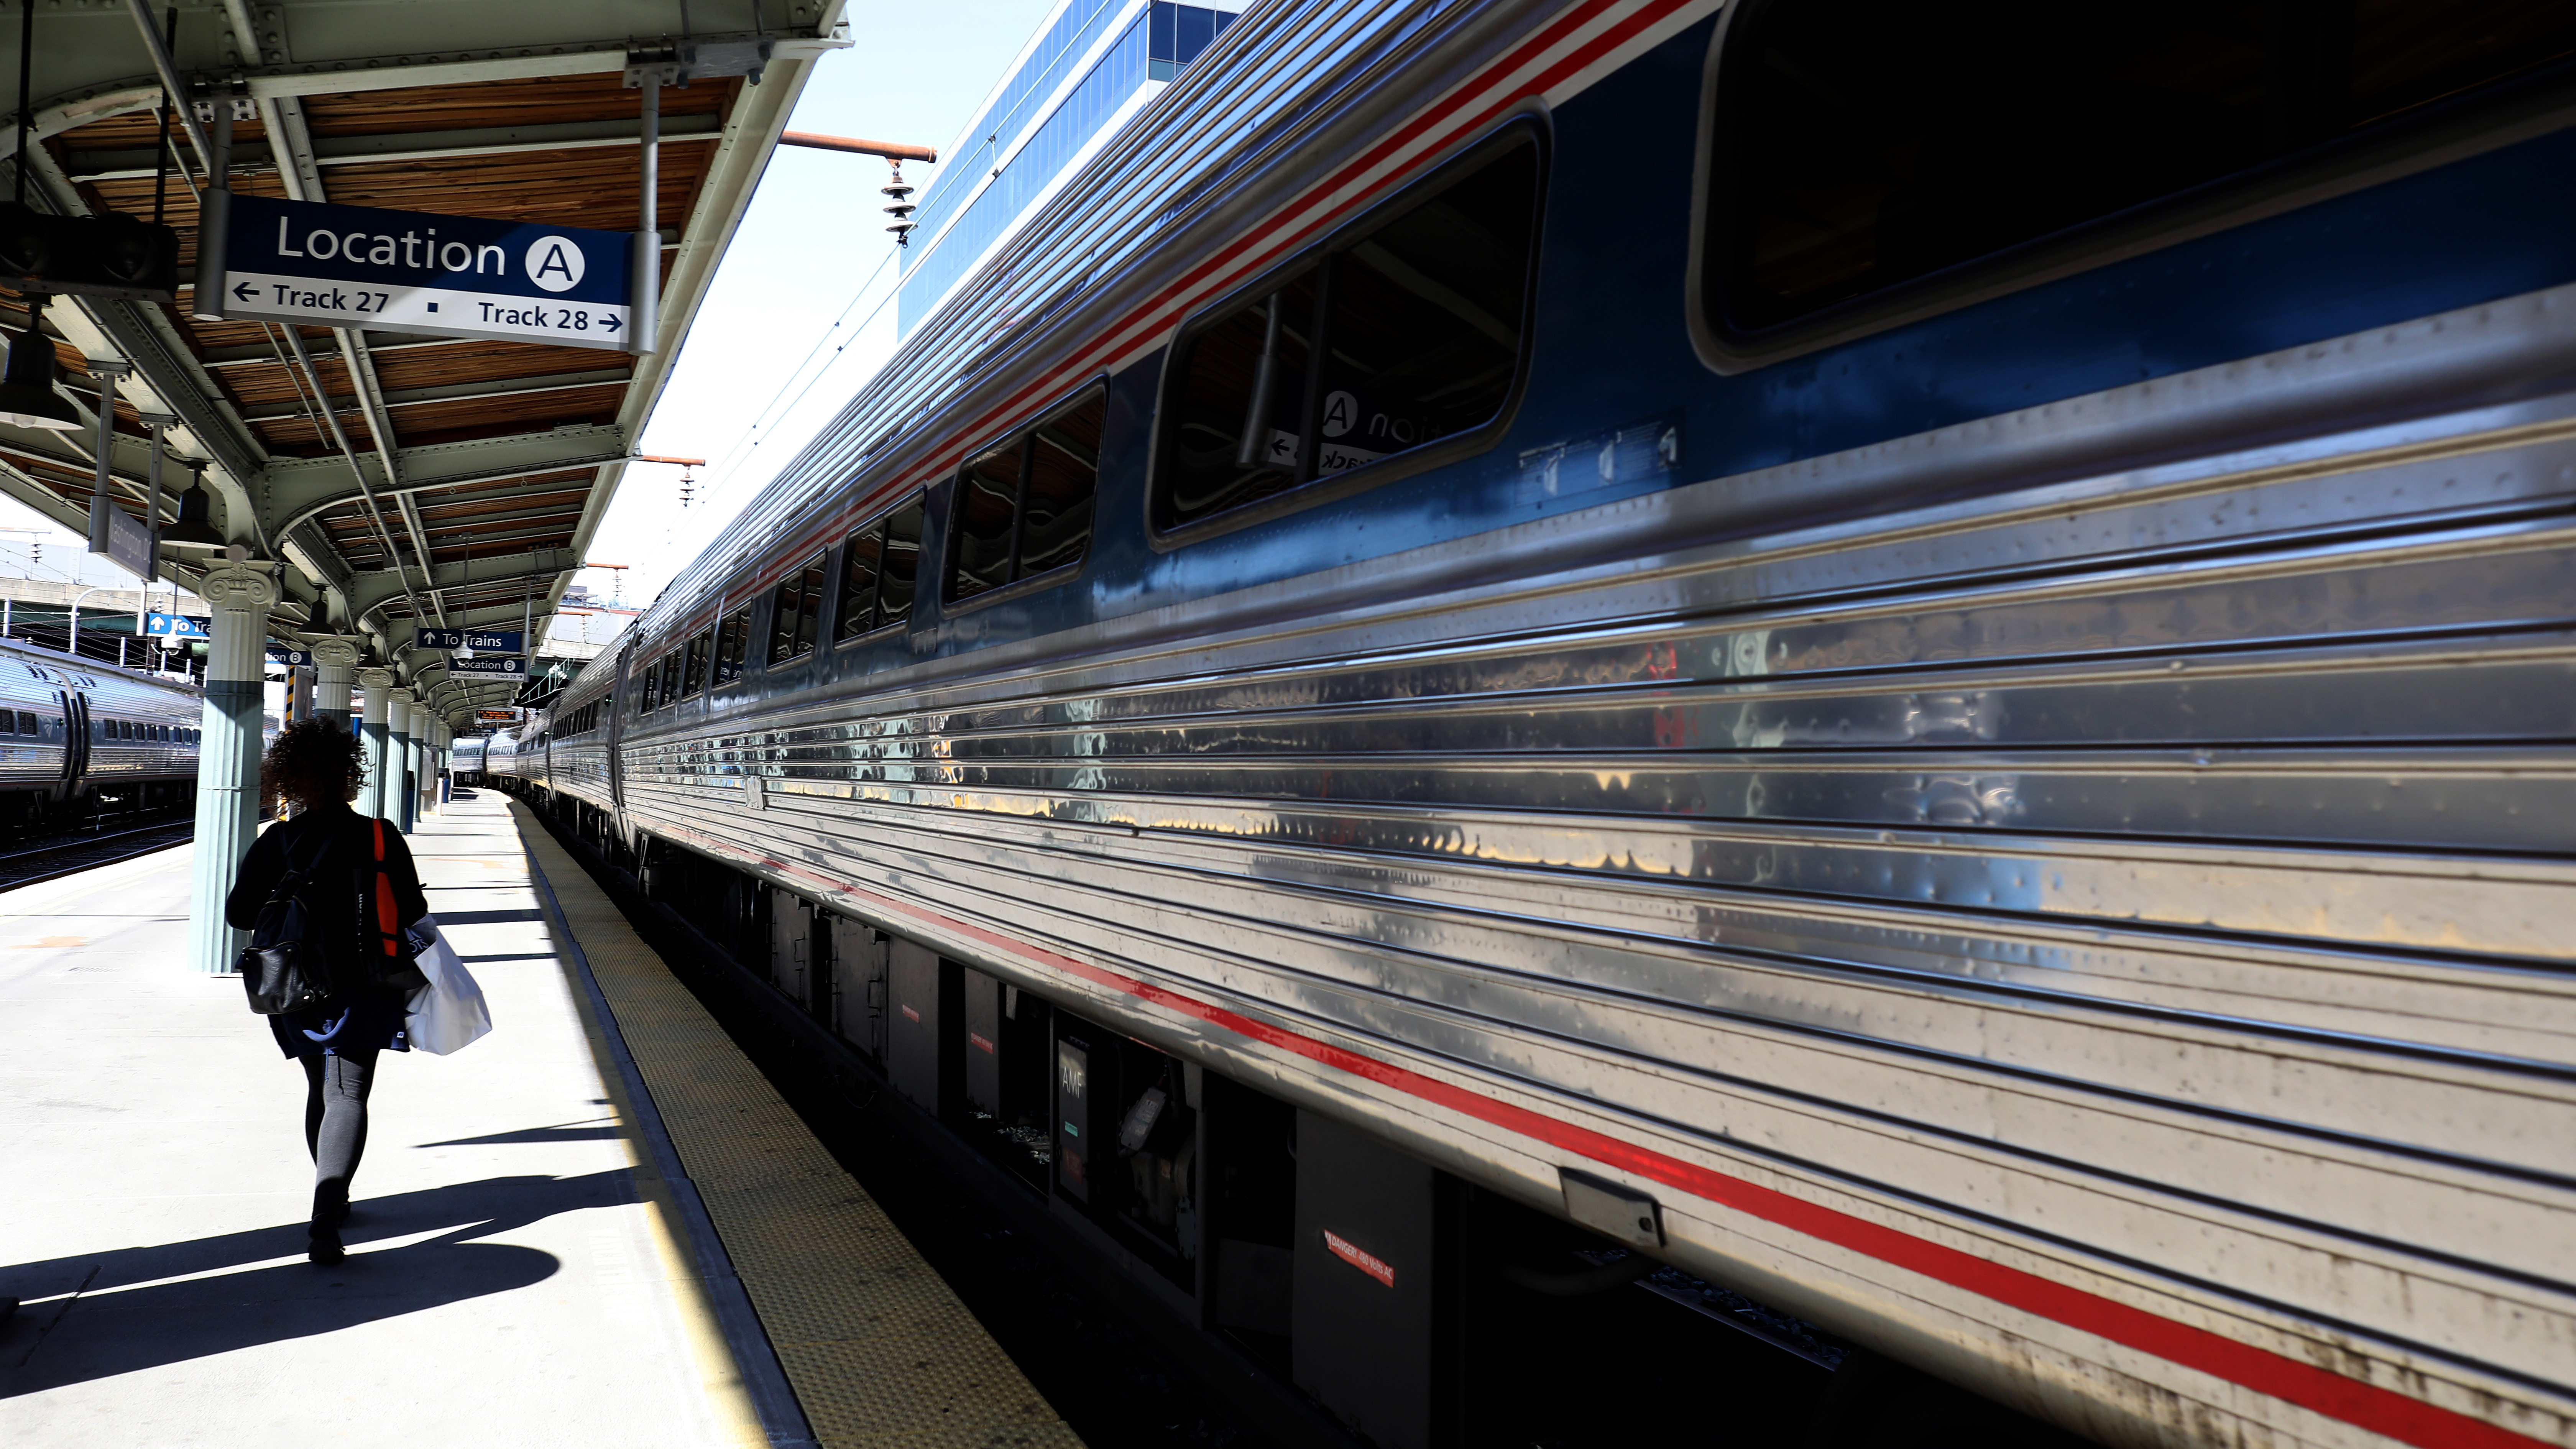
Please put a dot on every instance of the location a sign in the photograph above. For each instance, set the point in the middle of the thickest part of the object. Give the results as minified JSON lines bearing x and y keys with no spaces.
{"x":513,"y":668}
{"x":481,"y":641}
{"x":177,"y":626}
{"x":415,"y":271}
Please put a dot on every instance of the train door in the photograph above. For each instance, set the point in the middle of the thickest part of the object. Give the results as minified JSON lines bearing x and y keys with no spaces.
{"x":75,"y":739}
{"x":614,"y":746}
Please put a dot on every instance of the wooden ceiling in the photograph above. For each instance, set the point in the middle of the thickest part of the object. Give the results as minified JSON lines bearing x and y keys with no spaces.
{"x":434,"y":390}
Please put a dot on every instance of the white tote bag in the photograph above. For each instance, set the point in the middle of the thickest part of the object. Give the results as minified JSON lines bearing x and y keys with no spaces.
{"x":449,"y":1012}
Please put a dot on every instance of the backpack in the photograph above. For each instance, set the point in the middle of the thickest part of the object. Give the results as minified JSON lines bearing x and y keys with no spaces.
{"x":284,"y":969}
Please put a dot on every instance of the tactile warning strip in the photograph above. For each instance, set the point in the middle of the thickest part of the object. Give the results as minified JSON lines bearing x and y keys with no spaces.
{"x":880,"y":1353}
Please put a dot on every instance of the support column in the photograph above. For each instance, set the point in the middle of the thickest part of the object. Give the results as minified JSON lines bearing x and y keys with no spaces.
{"x":398,"y":760}
{"x":379,"y":684}
{"x":227,"y":756}
{"x":338,"y":661}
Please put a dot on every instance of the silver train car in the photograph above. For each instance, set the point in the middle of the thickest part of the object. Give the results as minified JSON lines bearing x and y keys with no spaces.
{"x":465,"y":759}
{"x":1909,"y":661}
{"x":78,"y":737}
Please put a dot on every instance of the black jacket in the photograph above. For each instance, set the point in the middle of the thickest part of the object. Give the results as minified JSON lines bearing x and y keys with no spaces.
{"x":341,"y":908}
{"x":350,"y":859}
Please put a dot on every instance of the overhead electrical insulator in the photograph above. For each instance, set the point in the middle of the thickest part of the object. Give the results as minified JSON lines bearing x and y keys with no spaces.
{"x":898,"y":193}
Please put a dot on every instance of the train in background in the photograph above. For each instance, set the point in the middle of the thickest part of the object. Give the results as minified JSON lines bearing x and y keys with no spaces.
{"x":80,"y":739}
{"x":465,"y":758}
{"x":1912,"y":661}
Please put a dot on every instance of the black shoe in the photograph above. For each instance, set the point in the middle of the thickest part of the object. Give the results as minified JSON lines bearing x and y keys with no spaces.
{"x":322,"y":1245}
{"x":8,"y":1306}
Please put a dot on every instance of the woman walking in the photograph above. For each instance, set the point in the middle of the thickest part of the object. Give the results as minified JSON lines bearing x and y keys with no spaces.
{"x":361,"y":890}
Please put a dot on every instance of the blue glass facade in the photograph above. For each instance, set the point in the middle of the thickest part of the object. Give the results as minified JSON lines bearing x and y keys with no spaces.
{"x":953,"y":230}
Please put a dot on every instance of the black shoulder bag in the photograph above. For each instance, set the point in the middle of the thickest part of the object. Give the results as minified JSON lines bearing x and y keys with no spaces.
{"x":284,"y":968}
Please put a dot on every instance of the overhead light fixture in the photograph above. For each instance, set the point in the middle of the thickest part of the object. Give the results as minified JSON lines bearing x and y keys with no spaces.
{"x":27,"y":394}
{"x":191,"y":529}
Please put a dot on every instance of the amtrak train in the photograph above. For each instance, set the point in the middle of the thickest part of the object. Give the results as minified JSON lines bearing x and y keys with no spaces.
{"x":79,"y":738}
{"x":465,"y":759}
{"x":1916,"y":662}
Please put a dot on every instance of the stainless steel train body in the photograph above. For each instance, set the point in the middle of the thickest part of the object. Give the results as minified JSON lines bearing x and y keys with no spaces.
{"x":76,"y":735}
{"x":466,"y":759}
{"x":2021,"y":810}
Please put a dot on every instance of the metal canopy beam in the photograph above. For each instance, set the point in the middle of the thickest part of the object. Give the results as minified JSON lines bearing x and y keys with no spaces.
{"x":371,"y":591}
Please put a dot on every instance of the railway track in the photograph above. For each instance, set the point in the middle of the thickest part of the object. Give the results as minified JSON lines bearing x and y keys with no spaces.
{"x":71,"y":853}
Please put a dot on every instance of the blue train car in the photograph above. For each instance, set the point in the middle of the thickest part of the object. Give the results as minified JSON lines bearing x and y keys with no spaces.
{"x":1912,"y":660}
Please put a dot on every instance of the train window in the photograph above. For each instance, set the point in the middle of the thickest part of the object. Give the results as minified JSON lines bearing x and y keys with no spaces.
{"x":1023,"y":508}
{"x":901,"y":576}
{"x":693,"y":672}
{"x":8,"y":723}
{"x":798,"y":608}
{"x":667,"y":688}
{"x":733,"y":639}
{"x":1863,"y":144}
{"x":1064,"y":474}
{"x":1249,"y":364}
{"x":987,"y":506}
{"x":877,"y":580}
{"x":859,"y":581}
{"x":1420,"y":339}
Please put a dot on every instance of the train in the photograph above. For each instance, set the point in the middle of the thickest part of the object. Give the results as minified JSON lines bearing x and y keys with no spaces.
{"x":79,"y":738}
{"x":1908,"y":661}
{"x":465,"y":759}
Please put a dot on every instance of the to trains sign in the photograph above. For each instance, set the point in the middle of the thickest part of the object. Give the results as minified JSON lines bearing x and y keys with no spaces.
{"x":481,"y":641}
{"x":414,"y":271}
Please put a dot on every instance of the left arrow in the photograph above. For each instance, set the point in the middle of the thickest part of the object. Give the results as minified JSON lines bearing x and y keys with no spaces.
{"x":245,"y":292}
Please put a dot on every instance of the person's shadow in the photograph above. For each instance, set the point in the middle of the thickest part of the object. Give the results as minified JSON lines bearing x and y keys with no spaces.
{"x":125,"y":1313}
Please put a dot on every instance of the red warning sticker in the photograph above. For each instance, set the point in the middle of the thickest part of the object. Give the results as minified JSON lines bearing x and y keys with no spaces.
{"x":1360,"y":1258}
{"x":911,"y":1015}
{"x":978,"y":1041}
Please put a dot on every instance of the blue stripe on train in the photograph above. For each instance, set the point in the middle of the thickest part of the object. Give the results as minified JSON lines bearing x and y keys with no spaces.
{"x":1614,"y":345}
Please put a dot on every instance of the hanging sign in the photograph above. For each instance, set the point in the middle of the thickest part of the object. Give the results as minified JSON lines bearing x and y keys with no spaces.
{"x":481,"y":641}
{"x":291,"y":658}
{"x":177,"y":626}
{"x":499,"y":716}
{"x":414,"y":271}
{"x":513,"y":668}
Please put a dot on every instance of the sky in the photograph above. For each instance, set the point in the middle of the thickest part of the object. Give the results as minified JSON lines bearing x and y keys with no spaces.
{"x":800,"y":315}
{"x":792,"y":325}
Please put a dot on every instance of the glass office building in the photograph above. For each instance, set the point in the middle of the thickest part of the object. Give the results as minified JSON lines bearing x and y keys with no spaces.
{"x":1089,"y":67}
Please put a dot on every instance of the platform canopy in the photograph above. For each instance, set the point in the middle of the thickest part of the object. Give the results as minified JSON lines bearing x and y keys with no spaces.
{"x":464,"y":478}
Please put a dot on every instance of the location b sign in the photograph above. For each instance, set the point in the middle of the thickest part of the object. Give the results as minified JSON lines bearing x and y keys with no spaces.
{"x":411,"y":271}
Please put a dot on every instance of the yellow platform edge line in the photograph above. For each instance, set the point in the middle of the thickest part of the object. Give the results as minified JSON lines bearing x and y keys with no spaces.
{"x":879,"y":1352}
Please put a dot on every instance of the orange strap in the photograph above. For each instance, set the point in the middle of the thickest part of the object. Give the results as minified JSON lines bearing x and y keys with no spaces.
{"x":385,"y":922}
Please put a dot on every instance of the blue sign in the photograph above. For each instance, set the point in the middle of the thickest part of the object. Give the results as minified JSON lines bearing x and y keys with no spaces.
{"x":291,"y":658}
{"x":177,"y":626}
{"x":514,"y":668}
{"x":482,"y":641}
{"x":415,"y":271}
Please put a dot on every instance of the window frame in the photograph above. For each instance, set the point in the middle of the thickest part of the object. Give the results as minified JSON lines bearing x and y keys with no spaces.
{"x":1025,"y":433}
{"x":1530,"y":126}
{"x":2450,"y":130}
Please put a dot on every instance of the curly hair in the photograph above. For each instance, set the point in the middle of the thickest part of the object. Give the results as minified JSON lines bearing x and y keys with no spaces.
{"x":313,"y":761}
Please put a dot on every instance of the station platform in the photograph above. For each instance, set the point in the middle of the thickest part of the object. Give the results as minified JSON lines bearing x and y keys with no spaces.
{"x":597,"y":1226}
